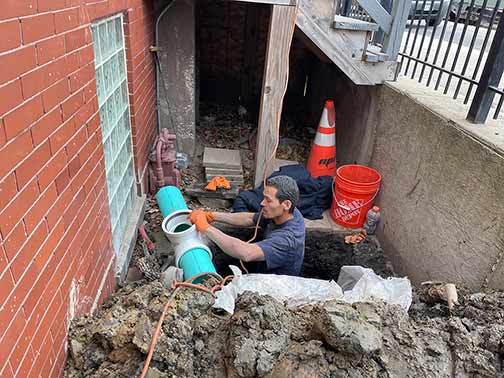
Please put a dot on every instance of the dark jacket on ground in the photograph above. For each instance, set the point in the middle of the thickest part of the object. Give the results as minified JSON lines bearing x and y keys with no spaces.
{"x":315,"y":195}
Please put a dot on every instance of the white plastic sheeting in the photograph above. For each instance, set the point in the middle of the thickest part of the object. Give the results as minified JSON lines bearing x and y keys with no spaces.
{"x":360,"y":284}
{"x":295,"y":291}
{"x":363,"y":285}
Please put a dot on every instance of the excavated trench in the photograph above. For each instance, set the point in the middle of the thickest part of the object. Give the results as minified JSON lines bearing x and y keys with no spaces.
{"x":263,"y":338}
{"x":325,"y":254}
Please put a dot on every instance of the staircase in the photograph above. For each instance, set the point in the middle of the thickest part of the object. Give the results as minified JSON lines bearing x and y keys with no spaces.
{"x":346,"y":41}
{"x":343,"y":40}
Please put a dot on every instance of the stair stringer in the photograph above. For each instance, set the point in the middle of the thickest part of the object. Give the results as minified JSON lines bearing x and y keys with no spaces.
{"x":345,"y":48}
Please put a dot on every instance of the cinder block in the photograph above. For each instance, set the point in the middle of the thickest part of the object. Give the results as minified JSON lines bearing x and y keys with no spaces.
{"x":221,"y":158}
{"x":230,"y":178}
{"x":223,"y":171}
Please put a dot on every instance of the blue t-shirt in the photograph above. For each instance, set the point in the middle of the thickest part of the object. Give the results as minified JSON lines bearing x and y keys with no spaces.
{"x":283,"y":244}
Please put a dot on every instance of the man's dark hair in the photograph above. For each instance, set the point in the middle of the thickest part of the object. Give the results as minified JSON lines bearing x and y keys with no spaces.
{"x":287,"y":189}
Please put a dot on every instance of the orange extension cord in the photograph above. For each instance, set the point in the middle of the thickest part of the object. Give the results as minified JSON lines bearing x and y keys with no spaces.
{"x":176,"y":286}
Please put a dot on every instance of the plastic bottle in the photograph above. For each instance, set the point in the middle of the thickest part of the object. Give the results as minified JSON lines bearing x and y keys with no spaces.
{"x":182,"y":161}
{"x":372,"y":219}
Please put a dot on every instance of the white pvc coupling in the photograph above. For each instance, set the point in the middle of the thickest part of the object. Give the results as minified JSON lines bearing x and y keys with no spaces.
{"x":185,"y":240}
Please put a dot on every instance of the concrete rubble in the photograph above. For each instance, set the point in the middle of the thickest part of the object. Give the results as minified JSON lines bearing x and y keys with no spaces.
{"x":266,"y":339}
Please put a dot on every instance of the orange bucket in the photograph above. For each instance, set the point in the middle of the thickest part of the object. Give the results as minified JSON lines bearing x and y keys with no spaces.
{"x":355,"y":188}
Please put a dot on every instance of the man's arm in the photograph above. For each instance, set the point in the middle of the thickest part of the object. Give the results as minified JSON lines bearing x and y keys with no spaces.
{"x":235,"y":219}
{"x":235,"y":247}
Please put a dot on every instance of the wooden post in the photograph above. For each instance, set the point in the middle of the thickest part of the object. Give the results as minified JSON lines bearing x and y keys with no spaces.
{"x":274,"y":83}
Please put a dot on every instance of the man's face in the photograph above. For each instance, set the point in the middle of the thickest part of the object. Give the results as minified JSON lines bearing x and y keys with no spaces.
{"x":271,"y":205}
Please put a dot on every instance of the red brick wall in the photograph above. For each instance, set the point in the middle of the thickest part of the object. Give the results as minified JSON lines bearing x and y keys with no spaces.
{"x":56,"y":256}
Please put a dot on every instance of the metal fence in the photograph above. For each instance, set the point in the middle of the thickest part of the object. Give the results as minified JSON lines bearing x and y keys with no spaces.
{"x":454,"y":46}
{"x":351,"y":8}
{"x":458,"y":47}
{"x":356,"y":11}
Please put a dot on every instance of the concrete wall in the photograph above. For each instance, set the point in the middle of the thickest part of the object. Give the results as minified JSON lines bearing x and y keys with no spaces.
{"x":177,"y":60}
{"x":355,"y":108}
{"x":442,"y":199}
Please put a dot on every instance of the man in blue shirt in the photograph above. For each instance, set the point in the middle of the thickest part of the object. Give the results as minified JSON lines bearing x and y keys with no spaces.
{"x":282,"y":249}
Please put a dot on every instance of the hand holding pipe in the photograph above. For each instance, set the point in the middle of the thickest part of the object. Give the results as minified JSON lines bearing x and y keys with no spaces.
{"x":199,"y":219}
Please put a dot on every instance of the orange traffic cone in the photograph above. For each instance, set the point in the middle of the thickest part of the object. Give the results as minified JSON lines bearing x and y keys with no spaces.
{"x":322,"y":159}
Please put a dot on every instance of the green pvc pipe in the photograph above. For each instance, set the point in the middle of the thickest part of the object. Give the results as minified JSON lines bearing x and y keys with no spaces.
{"x":170,"y":199}
{"x":196,"y":260}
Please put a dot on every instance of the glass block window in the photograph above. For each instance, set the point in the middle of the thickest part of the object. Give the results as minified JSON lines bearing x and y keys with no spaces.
{"x":112,"y":88}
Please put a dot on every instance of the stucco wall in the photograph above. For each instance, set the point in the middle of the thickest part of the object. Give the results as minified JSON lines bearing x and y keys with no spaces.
{"x":442,"y":199}
{"x":177,"y":61}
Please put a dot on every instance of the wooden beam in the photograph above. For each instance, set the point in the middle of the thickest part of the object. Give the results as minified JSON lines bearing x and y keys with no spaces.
{"x":345,"y":48}
{"x":347,"y":23}
{"x":312,"y":46}
{"x":282,"y":21}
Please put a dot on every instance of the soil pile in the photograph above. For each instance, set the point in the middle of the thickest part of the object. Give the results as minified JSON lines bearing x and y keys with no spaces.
{"x":266,"y":339}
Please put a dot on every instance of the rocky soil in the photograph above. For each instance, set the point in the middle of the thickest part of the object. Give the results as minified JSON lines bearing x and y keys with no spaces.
{"x":266,"y":339}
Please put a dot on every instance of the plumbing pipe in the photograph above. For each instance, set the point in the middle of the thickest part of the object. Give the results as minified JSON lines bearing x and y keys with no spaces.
{"x":170,"y":199}
{"x":150,"y":245}
{"x":158,"y":69}
{"x":191,"y":253}
{"x":171,"y":274}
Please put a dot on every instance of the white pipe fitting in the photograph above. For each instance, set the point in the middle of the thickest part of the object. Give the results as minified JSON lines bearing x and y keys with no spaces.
{"x":185,"y":240}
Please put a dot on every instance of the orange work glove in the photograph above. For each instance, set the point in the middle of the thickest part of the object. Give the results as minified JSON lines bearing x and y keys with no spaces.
{"x":218,"y":182}
{"x":210,"y":217}
{"x":199,"y":219}
{"x":223,"y":183}
{"x":212,"y":186}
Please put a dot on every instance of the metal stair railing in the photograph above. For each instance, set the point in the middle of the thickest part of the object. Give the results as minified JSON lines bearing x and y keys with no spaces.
{"x":392,"y":24}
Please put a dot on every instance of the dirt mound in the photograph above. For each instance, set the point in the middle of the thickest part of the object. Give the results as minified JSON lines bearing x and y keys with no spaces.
{"x":266,"y":339}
